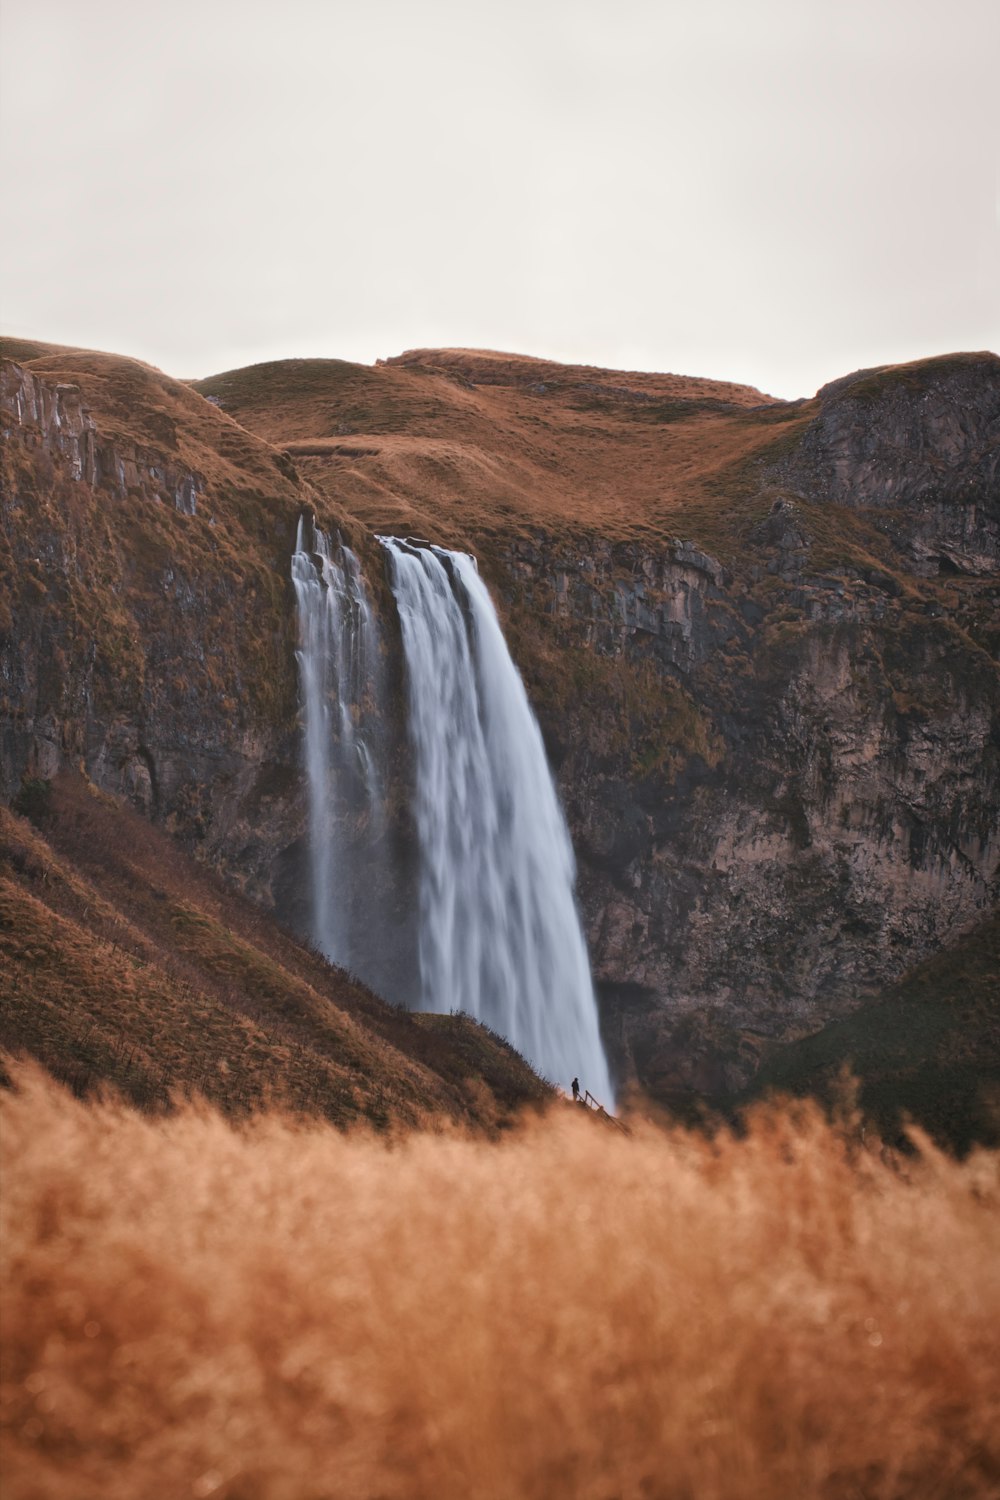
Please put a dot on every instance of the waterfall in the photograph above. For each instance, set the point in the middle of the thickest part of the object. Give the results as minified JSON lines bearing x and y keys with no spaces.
{"x":499,"y":933}
{"x":338,"y":661}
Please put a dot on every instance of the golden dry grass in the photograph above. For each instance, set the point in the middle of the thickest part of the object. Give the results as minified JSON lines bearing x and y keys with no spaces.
{"x":281,"y":1312}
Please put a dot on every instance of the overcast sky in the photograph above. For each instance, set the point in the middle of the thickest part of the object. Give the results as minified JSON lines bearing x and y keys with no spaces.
{"x":773,"y":191}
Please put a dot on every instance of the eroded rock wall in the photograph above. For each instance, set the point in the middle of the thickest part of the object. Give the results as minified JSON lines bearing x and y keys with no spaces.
{"x":52,"y":419}
{"x":147,"y":635}
{"x":781,"y":798}
{"x":918,"y":450}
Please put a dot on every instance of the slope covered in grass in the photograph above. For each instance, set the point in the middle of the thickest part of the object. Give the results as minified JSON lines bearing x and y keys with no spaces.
{"x":123,"y":961}
{"x":469,"y":445}
{"x":287,"y":1313}
{"x":929,"y":1049}
{"x":462,"y":445}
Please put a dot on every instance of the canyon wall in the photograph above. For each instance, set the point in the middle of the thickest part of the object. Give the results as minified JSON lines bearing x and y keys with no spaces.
{"x":776,"y":733}
{"x":782,"y":775}
{"x":772,"y":820}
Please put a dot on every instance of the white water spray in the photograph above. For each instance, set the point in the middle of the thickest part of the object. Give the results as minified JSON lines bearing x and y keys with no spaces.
{"x":500,"y":935}
{"x":338,"y":667}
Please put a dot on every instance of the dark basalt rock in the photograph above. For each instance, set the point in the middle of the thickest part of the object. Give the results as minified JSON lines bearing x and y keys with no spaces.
{"x":917,"y":449}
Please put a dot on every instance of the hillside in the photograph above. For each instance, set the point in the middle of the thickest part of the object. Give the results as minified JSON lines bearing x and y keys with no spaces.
{"x":472,"y":446}
{"x":121,"y":961}
{"x":928,"y":1050}
{"x":761,"y":638}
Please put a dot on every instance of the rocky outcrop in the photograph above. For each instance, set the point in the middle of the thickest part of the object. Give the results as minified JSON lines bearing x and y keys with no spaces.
{"x":52,"y":419}
{"x":917,"y":448}
{"x":672,"y":602}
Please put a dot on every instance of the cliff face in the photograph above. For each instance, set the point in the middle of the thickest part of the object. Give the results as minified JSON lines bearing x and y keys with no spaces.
{"x":918,"y":452}
{"x":51,"y":419}
{"x":776,"y":808}
{"x":147,"y":633}
{"x":761,"y":638}
{"x":790,"y":793}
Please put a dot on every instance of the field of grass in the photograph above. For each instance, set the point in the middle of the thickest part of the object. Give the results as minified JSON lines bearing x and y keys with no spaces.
{"x":279,"y":1311}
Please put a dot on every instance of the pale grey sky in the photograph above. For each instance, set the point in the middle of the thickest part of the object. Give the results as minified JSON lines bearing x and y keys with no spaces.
{"x":775,"y":191}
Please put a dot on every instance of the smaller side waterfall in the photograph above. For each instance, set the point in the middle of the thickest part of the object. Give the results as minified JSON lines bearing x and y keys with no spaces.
{"x":500,"y":936}
{"x":339,"y":665}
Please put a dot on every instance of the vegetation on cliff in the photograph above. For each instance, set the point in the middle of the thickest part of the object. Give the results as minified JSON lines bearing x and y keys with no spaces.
{"x":926,"y":1050}
{"x":122,"y":962}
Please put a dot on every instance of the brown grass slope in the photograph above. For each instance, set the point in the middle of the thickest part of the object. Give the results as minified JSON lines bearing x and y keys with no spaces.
{"x":929,"y":1049}
{"x":122,"y":961}
{"x":286,"y":1313}
{"x":473,"y":448}
{"x":493,"y":367}
{"x":463,"y":444}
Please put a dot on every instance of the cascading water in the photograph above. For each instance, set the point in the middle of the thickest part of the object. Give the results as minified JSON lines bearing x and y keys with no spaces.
{"x":499,"y":933}
{"x":338,"y":660}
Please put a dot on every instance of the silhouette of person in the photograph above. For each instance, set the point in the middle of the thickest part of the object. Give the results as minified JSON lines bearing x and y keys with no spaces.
{"x":576,"y":1089}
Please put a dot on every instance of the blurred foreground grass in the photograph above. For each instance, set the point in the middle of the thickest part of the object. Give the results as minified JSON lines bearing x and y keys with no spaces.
{"x":276,"y":1310}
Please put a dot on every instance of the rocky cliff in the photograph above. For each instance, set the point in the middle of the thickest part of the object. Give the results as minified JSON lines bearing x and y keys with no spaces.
{"x":783,"y":802}
{"x":761,"y":638}
{"x":917,"y":451}
{"x":147,"y":629}
{"x":791,"y":793}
